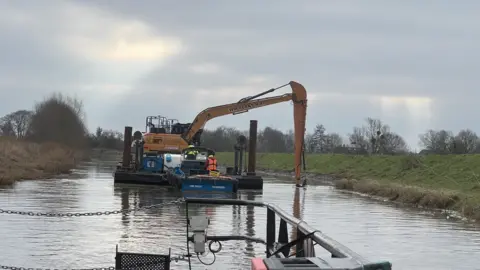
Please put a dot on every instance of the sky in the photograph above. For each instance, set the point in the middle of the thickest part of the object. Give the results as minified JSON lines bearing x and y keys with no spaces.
{"x":412,"y":64}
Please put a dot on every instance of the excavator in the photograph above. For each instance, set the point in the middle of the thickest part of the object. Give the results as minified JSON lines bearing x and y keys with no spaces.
{"x":183,"y":135}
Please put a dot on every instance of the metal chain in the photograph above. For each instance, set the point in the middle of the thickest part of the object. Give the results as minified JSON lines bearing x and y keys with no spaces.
{"x":174,"y":258}
{"x":24,"y":268}
{"x":101,"y":213}
{"x":180,"y":258}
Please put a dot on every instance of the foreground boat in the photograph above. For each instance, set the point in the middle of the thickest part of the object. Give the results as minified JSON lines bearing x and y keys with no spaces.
{"x":277,"y":247}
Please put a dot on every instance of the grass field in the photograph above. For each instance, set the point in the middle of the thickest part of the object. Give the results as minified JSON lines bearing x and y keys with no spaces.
{"x":437,"y":181}
{"x":21,"y":160}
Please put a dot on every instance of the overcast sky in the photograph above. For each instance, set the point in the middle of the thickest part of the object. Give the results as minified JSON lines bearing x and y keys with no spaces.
{"x":412,"y":64}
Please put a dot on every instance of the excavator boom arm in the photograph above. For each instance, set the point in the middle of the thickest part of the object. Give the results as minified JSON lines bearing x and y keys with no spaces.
{"x":299,"y":98}
{"x":232,"y":108}
{"x":300,"y":117}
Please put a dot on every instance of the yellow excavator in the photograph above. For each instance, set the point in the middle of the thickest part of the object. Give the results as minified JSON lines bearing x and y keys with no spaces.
{"x":179,"y":136}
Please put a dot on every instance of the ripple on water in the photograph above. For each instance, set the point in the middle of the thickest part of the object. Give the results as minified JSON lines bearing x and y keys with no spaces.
{"x":408,"y":238}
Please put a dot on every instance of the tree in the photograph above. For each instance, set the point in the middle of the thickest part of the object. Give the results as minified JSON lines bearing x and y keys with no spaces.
{"x":20,"y":120}
{"x":58,"y":119}
{"x":98,"y":132}
{"x":376,"y":137}
{"x":465,"y":141}
{"x":289,"y":138}
{"x":373,"y":133}
{"x":309,"y":144}
{"x":271,"y":140}
{"x":6,"y":127}
{"x":333,"y":141}
{"x":221,"y":139}
{"x":439,"y":142}
{"x":392,"y":143}
{"x":319,"y":139}
{"x":16,"y":123}
{"x":357,"y":138}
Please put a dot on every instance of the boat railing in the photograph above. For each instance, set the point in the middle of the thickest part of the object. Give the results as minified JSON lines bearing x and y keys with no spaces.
{"x":279,"y":245}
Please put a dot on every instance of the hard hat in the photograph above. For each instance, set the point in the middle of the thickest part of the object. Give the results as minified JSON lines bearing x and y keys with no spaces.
{"x":191,"y":145}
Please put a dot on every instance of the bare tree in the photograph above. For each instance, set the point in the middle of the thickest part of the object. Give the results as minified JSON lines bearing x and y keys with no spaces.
{"x":392,"y":143}
{"x":290,"y":141}
{"x":74,"y":103}
{"x":334,"y":140}
{"x":56,"y":119}
{"x":466,"y":141}
{"x":19,"y":122}
{"x":271,"y":140}
{"x":357,"y":138}
{"x":309,"y":143}
{"x":6,"y":127}
{"x":319,"y":138}
{"x":439,"y":142}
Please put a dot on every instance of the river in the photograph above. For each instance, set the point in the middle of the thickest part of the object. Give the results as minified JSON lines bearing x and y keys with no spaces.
{"x":409,"y":238}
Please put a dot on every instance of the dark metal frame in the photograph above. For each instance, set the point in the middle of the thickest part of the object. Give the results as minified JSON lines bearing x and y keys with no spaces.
{"x":336,"y":249}
{"x":141,"y":261}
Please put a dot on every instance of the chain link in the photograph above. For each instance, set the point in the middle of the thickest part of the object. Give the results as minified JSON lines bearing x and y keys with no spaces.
{"x":180,"y":258}
{"x":173,"y":258}
{"x":36,"y":268}
{"x":101,"y":213}
{"x":123,"y":211}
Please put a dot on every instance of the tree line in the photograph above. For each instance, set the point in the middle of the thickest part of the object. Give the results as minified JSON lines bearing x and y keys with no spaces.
{"x":59,"y":119}
{"x":62,"y":119}
{"x":373,"y":137}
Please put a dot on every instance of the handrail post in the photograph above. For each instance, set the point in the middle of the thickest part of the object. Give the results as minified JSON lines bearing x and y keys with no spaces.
{"x":299,"y":247}
{"x":270,"y":231}
{"x":283,"y":235}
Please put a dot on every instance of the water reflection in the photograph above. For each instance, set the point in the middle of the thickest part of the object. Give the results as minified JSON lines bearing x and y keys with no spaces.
{"x":298,"y":208}
{"x":250,"y":225}
{"x":242,"y":220}
{"x":410,"y":238}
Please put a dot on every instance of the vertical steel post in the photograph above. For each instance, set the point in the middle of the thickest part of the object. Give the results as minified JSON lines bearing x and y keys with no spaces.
{"x":235,"y":161}
{"x":270,"y":231}
{"x":252,"y":147}
{"x":127,"y":147}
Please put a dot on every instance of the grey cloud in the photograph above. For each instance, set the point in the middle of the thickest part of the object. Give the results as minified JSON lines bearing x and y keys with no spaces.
{"x":394,"y":48}
{"x":409,"y":48}
{"x":384,"y":39}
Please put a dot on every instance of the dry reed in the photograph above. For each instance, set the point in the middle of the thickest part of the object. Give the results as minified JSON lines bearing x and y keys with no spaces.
{"x":22,"y":160}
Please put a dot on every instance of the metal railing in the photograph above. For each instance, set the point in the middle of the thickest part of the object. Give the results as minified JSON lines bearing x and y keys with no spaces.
{"x":336,"y":249}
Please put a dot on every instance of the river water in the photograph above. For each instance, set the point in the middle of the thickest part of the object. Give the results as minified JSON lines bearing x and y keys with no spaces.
{"x":409,"y":238}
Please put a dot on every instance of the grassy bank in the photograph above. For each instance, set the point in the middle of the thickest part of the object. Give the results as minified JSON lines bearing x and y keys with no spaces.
{"x":21,"y":160}
{"x":435,"y":181}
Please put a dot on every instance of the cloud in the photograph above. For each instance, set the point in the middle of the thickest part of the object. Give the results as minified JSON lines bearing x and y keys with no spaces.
{"x":72,"y":48}
{"x":399,"y":60}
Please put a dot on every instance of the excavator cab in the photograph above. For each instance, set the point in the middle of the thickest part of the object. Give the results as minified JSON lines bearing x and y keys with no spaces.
{"x":198,"y":164}
{"x":178,"y":128}
{"x":159,"y":124}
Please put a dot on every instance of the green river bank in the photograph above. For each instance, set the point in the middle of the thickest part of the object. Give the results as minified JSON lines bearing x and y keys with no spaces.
{"x":450,"y":182}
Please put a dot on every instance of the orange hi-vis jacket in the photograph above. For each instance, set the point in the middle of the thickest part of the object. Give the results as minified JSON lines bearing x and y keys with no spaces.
{"x":212,"y":164}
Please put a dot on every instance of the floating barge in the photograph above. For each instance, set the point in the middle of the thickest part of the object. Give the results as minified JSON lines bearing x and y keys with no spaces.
{"x":171,"y":169}
{"x":168,"y":169}
{"x":281,"y":252}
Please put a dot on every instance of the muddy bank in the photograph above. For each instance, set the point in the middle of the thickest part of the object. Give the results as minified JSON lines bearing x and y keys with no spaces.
{"x":20,"y":160}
